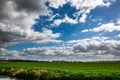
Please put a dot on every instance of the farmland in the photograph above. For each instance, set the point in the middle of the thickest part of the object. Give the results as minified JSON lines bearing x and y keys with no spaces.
{"x":61,"y":70}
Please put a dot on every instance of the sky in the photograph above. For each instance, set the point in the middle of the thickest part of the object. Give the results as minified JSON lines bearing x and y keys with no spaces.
{"x":70,"y":30}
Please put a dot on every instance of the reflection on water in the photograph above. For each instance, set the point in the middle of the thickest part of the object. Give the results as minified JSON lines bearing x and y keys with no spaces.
{"x":6,"y":78}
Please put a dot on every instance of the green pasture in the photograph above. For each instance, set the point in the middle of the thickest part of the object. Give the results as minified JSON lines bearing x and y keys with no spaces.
{"x":72,"y":67}
{"x":88,"y":69}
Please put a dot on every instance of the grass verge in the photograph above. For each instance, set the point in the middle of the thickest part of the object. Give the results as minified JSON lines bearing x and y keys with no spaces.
{"x":46,"y":74}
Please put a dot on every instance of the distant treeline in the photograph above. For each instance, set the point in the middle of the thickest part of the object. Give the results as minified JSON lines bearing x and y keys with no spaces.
{"x":17,"y":60}
{"x":20,"y":60}
{"x":57,"y":61}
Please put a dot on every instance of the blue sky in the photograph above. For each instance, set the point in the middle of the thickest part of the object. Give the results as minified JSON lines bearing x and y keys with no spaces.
{"x":73,"y":30}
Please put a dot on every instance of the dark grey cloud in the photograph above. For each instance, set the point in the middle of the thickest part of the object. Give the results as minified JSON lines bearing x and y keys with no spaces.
{"x":21,"y":5}
{"x":2,"y":4}
{"x":17,"y":18}
{"x":8,"y":38}
{"x":29,"y":5}
{"x":5,"y":37}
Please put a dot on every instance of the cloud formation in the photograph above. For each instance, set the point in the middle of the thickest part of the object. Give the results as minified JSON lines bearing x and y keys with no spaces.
{"x":89,"y":49}
{"x":118,"y":36}
{"x":66,"y":19}
{"x":8,"y":54}
{"x":109,"y":27}
{"x":17,"y":18}
{"x":11,"y":9}
{"x":83,"y":8}
{"x":98,"y":46}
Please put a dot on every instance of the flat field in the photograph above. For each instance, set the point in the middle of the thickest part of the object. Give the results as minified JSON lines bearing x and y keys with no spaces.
{"x":55,"y":70}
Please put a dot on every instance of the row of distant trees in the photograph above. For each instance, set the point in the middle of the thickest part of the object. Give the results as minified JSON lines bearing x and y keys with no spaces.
{"x":56,"y":61}
{"x":19,"y":60}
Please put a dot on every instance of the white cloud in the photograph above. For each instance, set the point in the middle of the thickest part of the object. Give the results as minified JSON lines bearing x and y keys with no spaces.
{"x":84,"y":7}
{"x":48,"y":41}
{"x":8,"y":54}
{"x":51,"y":17}
{"x":118,"y":36}
{"x":78,"y":4}
{"x":118,"y":21}
{"x":88,"y":4}
{"x":66,"y":19}
{"x":58,"y":22}
{"x":16,"y":26}
{"x":70,"y":20}
{"x":83,"y":18}
{"x":57,"y":3}
{"x":39,"y":51}
{"x":89,"y":49}
{"x":97,"y":47}
{"x":47,"y":53}
{"x":110,"y":27}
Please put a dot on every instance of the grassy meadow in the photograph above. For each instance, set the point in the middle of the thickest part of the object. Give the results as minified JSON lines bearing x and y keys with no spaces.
{"x":61,"y":70}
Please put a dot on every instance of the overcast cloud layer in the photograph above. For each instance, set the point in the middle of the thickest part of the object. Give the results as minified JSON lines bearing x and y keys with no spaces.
{"x":17,"y":18}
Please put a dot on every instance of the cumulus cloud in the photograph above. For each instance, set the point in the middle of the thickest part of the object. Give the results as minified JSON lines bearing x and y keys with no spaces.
{"x":13,"y":8}
{"x":89,"y":49}
{"x":51,"y":51}
{"x":39,"y":51}
{"x":8,"y":54}
{"x":17,"y":18}
{"x":118,"y":22}
{"x":110,"y":27}
{"x":118,"y":36}
{"x":79,"y":4}
{"x":57,"y":3}
{"x":82,"y":19}
{"x":98,"y":46}
{"x":66,"y":19}
{"x":83,"y":8}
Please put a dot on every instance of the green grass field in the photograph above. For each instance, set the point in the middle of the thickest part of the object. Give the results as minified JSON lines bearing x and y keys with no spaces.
{"x":71,"y":71}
